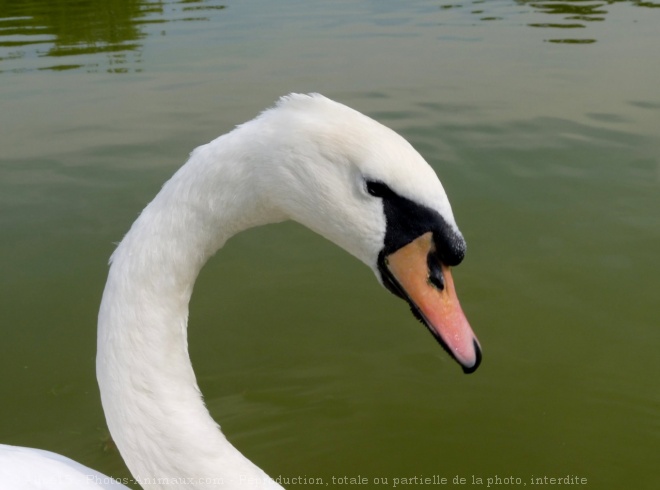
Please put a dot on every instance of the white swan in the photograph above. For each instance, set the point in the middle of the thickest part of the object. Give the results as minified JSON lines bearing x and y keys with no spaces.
{"x":309,"y":159}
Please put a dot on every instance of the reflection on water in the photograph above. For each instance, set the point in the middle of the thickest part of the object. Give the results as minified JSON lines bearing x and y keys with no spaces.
{"x":574,"y":14}
{"x":95,"y":35}
{"x":571,"y":15}
{"x":108,"y":35}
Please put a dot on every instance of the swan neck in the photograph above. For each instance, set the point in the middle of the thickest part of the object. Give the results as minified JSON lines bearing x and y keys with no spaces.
{"x":153,"y":406}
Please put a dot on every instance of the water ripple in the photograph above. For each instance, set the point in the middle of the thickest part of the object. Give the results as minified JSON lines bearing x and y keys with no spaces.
{"x":94,"y":36}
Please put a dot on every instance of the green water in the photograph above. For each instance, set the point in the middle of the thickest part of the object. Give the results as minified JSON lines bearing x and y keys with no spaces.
{"x":542,"y":120}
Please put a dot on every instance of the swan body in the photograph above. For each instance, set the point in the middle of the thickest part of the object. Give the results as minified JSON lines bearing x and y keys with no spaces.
{"x":24,"y":468}
{"x":309,"y":159}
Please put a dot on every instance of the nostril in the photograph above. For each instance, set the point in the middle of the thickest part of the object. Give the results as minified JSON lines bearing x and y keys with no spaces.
{"x":435,"y":271}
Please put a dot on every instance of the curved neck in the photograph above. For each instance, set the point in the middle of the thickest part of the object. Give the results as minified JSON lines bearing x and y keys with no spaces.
{"x":153,"y":406}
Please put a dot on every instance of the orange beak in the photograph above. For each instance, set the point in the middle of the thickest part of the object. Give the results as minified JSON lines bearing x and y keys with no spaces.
{"x":428,"y":286}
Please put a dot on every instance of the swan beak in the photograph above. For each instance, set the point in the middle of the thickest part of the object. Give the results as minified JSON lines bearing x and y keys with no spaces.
{"x":428,"y":286}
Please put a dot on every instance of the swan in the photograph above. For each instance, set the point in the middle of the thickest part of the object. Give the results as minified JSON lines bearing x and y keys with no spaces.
{"x":309,"y":159}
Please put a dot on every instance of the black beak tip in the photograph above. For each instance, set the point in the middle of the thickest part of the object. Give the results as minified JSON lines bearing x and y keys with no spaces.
{"x":477,"y":362}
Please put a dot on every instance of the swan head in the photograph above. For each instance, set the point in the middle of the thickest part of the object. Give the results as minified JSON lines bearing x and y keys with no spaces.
{"x":364,"y":187}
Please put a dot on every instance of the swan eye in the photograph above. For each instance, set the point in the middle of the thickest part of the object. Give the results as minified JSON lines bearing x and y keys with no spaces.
{"x":377,"y":189}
